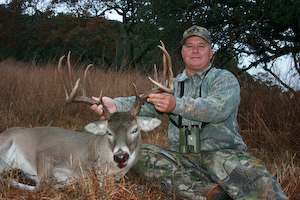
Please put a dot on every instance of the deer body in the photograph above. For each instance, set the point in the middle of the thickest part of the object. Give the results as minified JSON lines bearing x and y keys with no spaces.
{"x":114,"y":147}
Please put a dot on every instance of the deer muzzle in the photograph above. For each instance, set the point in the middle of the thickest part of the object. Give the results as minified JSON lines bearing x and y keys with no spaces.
{"x":121,"y":159}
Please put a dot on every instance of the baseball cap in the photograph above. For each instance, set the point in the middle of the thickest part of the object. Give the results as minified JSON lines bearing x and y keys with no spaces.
{"x":196,"y":31}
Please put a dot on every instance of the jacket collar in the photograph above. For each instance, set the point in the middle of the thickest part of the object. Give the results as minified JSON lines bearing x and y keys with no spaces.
{"x":183,"y":76}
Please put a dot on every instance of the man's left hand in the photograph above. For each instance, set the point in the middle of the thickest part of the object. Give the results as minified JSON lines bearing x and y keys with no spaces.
{"x":163,"y":102}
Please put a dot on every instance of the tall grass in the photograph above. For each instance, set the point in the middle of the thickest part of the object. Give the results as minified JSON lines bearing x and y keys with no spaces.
{"x":32,"y":96}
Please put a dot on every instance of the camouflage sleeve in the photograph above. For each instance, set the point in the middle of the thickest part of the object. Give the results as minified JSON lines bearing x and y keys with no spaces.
{"x":126,"y":103}
{"x":220,"y":97}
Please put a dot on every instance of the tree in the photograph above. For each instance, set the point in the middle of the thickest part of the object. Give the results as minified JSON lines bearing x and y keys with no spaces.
{"x":129,"y":10}
{"x":43,"y":35}
{"x":264,"y":29}
{"x":275,"y":33}
{"x":126,"y":8}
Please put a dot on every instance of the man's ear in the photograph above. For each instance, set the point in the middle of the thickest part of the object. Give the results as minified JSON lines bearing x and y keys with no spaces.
{"x":211,"y":54}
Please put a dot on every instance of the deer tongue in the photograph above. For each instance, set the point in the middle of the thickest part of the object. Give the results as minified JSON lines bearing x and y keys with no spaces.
{"x":121,"y":159}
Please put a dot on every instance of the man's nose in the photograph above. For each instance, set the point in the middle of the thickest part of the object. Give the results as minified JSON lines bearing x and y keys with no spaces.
{"x":195,"y":49}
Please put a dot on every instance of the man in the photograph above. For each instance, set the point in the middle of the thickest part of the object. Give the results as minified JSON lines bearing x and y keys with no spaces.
{"x":209,"y":98}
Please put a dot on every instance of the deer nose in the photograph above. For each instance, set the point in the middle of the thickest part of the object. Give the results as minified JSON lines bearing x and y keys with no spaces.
{"x":121,"y":159}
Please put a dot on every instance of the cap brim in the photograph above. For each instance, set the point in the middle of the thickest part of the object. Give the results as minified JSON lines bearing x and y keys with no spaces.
{"x":184,"y":39}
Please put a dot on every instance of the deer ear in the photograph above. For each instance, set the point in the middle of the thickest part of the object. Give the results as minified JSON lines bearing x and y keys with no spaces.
{"x":97,"y":128}
{"x":148,"y":123}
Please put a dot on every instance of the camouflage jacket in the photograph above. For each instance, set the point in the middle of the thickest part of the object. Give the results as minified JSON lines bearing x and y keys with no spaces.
{"x":217,"y":106}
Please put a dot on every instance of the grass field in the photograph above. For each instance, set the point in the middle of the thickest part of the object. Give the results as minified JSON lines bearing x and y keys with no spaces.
{"x":32,"y":96}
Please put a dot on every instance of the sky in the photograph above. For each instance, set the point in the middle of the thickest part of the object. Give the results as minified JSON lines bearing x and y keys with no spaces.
{"x":113,"y":16}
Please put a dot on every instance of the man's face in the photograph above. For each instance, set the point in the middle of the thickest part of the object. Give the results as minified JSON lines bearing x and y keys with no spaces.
{"x":196,"y":54}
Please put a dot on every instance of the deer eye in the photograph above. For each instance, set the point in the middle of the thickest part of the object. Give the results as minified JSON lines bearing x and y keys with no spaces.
{"x":134,"y":130}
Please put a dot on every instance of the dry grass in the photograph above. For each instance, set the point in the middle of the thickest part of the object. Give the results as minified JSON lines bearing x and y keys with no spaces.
{"x":32,"y":96}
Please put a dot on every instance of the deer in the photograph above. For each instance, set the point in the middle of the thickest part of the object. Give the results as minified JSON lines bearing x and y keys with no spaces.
{"x":112,"y":145}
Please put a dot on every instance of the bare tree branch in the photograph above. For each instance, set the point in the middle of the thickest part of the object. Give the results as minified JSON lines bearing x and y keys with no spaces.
{"x":279,"y":80}
{"x":264,"y":59}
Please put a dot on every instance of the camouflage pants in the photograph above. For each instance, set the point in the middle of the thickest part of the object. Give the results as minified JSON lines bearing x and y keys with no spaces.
{"x":192,"y":176}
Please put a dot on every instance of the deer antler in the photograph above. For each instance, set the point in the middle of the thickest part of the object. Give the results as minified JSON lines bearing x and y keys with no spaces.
{"x":166,"y":60}
{"x":161,"y":87}
{"x":71,"y":97}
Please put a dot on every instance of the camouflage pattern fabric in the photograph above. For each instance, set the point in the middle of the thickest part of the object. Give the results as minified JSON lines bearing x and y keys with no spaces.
{"x":223,"y":160}
{"x":192,"y":176}
{"x":218,"y":106}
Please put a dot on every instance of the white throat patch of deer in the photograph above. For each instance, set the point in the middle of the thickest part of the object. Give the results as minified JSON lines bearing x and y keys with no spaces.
{"x":64,"y":155}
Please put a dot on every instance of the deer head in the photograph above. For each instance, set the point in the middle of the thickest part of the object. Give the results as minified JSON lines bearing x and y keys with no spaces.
{"x":118,"y":122}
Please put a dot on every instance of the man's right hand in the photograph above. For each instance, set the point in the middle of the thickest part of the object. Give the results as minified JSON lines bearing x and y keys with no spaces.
{"x":108,"y":102}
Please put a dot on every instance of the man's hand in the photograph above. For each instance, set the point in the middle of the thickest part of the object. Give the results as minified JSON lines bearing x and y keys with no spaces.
{"x":108,"y":102}
{"x":163,"y":102}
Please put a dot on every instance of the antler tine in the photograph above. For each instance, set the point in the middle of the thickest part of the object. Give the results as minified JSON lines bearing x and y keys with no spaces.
{"x":170,"y":78}
{"x":161,"y":88}
{"x":72,"y":97}
{"x":138,"y":102}
{"x":70,"y":71}
{"x":155,"y":76}
{"x":106,"y":113}
{"x":84,"y":80}
{"x":164,"y":65}
{"x":74,"y":89}
{"x":61,"y":77}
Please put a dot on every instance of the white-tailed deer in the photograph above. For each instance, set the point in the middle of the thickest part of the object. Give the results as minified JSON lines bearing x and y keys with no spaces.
{"x":61,"y":155}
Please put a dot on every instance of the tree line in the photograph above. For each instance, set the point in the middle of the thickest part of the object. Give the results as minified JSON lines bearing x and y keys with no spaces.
{"x":263,"y":30}
{"x":42,"y":37}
